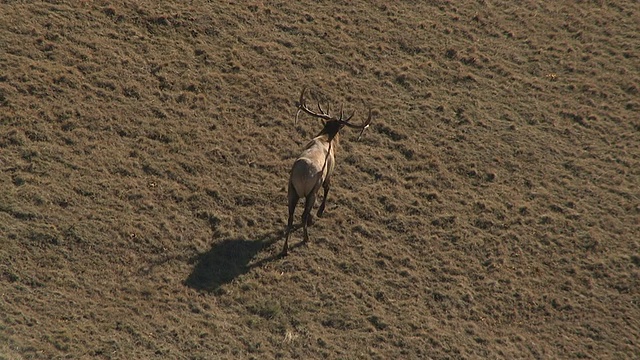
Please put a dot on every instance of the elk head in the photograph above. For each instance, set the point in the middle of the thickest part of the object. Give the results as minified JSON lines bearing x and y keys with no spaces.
{"x":332,"y":125}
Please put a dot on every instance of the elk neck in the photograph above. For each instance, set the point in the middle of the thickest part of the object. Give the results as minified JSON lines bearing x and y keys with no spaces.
{"x":331,"y":131}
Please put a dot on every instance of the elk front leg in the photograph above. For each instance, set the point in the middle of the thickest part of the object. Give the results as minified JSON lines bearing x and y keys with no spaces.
{"x":293,"y":198}
{"x":306,"y":215}
{"x":326,"y":185}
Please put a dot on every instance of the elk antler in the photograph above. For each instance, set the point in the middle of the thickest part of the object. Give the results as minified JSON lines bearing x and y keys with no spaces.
{"x":364,"y":125}
{"x":302,"y":106}
{"x":324,"y":115}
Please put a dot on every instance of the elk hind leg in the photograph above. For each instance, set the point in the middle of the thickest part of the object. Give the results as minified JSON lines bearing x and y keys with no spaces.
{"x":293,"y":198}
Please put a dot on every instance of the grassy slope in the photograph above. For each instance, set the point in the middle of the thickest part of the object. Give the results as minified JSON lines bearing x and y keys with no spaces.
{"x":492,"y":211}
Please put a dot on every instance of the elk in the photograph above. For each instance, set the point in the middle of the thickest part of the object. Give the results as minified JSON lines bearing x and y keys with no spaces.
{"x":313,"y":168}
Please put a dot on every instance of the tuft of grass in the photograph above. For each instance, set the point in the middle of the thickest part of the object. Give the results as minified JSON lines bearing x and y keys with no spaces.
{"x":268,"y":309}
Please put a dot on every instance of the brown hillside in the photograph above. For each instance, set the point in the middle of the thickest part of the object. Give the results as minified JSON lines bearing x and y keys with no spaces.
{"x":491,"y":211}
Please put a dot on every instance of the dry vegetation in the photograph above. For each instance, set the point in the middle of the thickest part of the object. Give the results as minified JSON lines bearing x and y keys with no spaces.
{"x":491,"y":211}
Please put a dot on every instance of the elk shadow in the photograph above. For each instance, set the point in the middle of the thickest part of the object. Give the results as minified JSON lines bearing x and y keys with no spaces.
{"x":228,"y":259}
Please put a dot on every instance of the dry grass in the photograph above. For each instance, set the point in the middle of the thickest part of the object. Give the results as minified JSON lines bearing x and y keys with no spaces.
{"x":490,"y":212}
